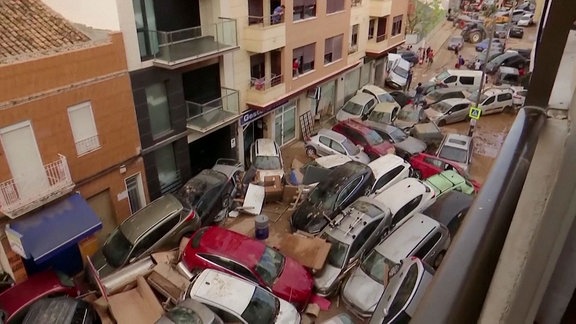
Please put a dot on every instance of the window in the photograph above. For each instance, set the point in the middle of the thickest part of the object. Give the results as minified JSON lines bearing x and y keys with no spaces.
{"x":504,"y":97}
{"x":230,"y":265}
{"x":354,"y":38}
{"x":347,"y":191}
{"x":304,"y":9}
{"x":285,"y":124}
{"x":135,"y":192}
{"x":488,"y":101}
{"x":389,"y":176}
{"x":371,"y":25}
{"x":450,"y":79}
{"x":166,"y":165}
{"x":396,"y":25}
{"x":334,"y":6}
{"x":362,"y":238}
{"x":333,"y":49}
{"x":145,"y":19}
{"x":154,"y":236}
{"x":158,"y":110}
{"x":305,"y":57}
{"x":381,"y":31}
{"x":337,"y":147}
{"x":83,"y":128}
{"x":403,"y":295}
{"x":427,"y":246}
{"x":460,"y":107}
{"x":324,"y":140}
{"x":406,"y":210}
{"x":467,"y":80}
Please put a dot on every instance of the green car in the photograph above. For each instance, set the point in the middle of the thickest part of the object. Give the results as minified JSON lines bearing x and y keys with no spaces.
{"x":449,"y":180}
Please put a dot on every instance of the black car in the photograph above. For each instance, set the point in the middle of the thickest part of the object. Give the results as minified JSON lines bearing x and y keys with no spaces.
{"x":401,"y":98}
{"x":510,"y":59}
{"x":63,"y":310}
{"x":516,"y":32}
{"x":343,"y":185}
{"x":409,"y":56}
{"x":450,"y":209}
{"x":525,"y":52}
{"x":501,"y":30}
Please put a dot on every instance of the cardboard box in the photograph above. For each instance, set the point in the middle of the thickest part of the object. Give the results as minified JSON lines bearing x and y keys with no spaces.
{"x":311,"y":252}
{"x":137,"y":305}
{"x":273,"y":192}
{"x":289,"y":193}
{"x":270,"y":180}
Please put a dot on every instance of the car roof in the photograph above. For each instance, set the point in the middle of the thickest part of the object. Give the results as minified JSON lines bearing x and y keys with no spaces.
{"x":232,"y":245}
{"x":456,"y":101}
{"x":400,"y":193}
{"x":266,"y":147}
{"x":406,"y":237}
{"x":457,"y":140}
{"x":449,"y":90}
{"x":332,"y":134}
{"x":333,"y":160}
{"x":355,"y":124}
{"x":227,"y":291}
{"x":508,"y":70}
{"x":445,"y":180}
{"x":143,"y":220}
{"x":496,"y":91}
{"x":374,"y":89}
{"x":446,"y":206}
{"x":384,"y":164}
{"x":361,"y":98}
{"x":354,"y":221}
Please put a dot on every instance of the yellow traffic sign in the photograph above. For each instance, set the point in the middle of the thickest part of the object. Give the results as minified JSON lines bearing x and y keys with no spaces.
{"x":475,"y":112}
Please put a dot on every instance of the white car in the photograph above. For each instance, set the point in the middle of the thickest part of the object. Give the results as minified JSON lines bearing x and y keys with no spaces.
{"x":239,"y":301}
{"x":388,"y":170}
{"x":456,"y":148}
{"x":266,"y":158}
{"x":357,"y":107}
{"x":494,"y":100}
{"x":519,"y":96}
{"x":526,"y":20}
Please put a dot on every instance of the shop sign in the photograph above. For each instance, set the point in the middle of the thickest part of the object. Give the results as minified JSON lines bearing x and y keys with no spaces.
{"x":253,"y":114}
{"x":15,"y":241}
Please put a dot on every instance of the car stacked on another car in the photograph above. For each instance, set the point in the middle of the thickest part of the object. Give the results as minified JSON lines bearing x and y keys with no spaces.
{"x":357,"y":107}
{"x":329,"y":142}
{"x":266,"y":158}
{"x":225,"y":250}
{"x":374,"y":145}
{"x":388,"y":170}
{"x":405,"y":146}
{"x":427,"y":165}
{"x":450,"y":210}
{"x":456,"y":148}
{"x":509,"y":58}
{"x":449,"y":180}
{"x":449,"y":111}
{"x":445,"y":93}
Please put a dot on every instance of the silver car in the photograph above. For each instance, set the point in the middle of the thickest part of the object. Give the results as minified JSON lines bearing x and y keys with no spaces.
{"x":328,"y":142}
{"x":449,"y":111}
{"x":405,"y":145}
{"x":357,"y":107}
{"x":456,"y":148}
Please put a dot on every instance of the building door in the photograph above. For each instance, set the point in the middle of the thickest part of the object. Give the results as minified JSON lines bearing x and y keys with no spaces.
{"x":285,"y":124}
{"x":25,"y":163}
{"x":101,"y":203}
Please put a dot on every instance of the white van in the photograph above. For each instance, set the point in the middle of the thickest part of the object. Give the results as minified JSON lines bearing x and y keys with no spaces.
{"x":469,"y":79}
{"x":397,"y":71}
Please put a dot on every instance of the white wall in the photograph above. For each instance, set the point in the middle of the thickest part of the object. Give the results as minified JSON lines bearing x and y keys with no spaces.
{"x":100,"y":14}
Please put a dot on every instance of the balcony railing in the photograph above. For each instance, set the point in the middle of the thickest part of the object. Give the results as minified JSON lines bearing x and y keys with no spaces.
{"x":203,"y":117}
{"x":381,"y":38}
{"x":24,"y":193}
{"x":179,"y":47}
{"x":263,"y":84}
{"x":265,"y":21}
{"x":87,"y":145}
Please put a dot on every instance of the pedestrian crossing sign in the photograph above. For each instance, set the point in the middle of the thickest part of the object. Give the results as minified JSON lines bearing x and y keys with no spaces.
{"x":475,"y":112}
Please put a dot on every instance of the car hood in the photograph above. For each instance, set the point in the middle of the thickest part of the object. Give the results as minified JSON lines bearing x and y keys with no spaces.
{"x":324,"y":280}
{"x":287,"y":314}
{"x":395,"y":78}
{"x":343,"y":115}
{"x":404,"y":124}
{"x":433,"y":114}
{"x":362,"y":291}
{"x":103,"y":268}
{"x":295,"y":283}
{"x":384,"y":148}
{"x":361,"y":157}
{"x":411,"y":145}
{"x":269,"y":173}
{"x":309,"y":218}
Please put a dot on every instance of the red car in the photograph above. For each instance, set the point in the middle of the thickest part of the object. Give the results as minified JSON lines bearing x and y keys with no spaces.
{"x":426,"y":165}
{"x":221,"y":249}
{"x":374,"y":145}
{"x":14,"y":302}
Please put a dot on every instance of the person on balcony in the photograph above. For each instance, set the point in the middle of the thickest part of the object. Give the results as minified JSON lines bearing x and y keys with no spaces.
{"x":277,"y":14}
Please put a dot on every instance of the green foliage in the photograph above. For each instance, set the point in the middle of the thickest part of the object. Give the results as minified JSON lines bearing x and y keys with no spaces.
{"x":425,"y":17}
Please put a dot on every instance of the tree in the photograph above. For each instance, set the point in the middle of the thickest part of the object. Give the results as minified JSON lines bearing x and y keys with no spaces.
{"x":423,"y":16}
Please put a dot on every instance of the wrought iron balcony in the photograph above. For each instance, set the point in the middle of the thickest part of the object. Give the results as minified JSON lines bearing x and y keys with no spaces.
{"x":181,"y":47}
{"x":22,"y":194}
{"x":203,"y":117}
{"x":264,"y":34}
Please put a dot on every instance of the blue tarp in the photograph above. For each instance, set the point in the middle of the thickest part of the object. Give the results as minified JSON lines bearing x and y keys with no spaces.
{"x":56,"y":227}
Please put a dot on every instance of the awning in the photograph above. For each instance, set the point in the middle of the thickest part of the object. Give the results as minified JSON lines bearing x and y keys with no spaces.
{"x":52,"y":229}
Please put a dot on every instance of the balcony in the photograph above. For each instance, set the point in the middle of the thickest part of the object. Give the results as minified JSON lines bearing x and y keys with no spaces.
{"x":264,"y":34}
{"x":378,"y":44}
{"x":265,"y":90}
{"x":203,"y":117}
{"x":182,"y":47}
{"x":380,"y":8}
{"x":20,"y":195}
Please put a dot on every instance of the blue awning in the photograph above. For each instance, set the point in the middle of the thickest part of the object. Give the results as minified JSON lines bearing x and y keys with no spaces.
{"x":54,"y":228}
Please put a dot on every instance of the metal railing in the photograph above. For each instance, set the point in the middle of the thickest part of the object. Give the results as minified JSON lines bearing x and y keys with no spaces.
{"x":207,"y":115}
{"x":264,"y":21}
{"x":87,"y":145}
{"x":381,"y":38}
{"x":23,"y":190}
{"x":263,"y":84}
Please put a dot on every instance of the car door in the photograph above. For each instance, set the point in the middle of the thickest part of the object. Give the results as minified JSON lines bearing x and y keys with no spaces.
{"x":154,"y":238}
{"x":346,"y":194}
{"x":324,"y":146}
{"x":504,"y":100}
{"x":368,"y":107}
{"x":460,"y":112}
{"x":451,"y":80}
{"x":389,"y":178}
{"x":488,"y":105}
{"x":337,"y":148}
{"x":405,"y":211}
{"x":362,"y":242}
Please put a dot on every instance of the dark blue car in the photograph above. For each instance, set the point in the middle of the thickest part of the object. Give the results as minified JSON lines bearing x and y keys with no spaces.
{"x":497,"y":46}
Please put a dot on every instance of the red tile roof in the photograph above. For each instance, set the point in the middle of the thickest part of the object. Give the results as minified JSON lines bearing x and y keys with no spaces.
{"x":29,"y":27}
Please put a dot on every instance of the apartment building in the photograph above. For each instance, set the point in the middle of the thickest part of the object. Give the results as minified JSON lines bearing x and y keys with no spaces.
{"x":211,"y":76}
{"x":70,"y":160}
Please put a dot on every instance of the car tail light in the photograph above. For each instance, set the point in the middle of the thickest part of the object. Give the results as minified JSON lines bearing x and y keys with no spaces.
{"x":190,"y":216}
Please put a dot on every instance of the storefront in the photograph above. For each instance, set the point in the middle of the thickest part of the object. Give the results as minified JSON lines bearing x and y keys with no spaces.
{"x":285,"y":123}
{"x":204,"y":151}
{"x":70,"y":220}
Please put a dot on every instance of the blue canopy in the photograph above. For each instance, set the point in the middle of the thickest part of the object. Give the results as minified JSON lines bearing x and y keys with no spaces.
{"x":55,"y":228}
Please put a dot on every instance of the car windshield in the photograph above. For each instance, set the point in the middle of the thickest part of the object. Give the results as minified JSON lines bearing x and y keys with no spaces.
{"x":442,"y":76}
{"x":410,"y":115}
{"x":441,"y":107}
{"x":367,"y":208}
{"x":401,"y":71}
{"x":454,"y":154}
{"x":262,"y":308}
{"x":376,"y":266}
{"x":353,"y":108}
{"x":262,"y":162}
{"x":117,"y":249}
{"x":270,"y":265}
{"x":338,"y":251}
{"x":386,"y":97}
{"x":435,"y":95}
{"x":195,"y":189}
{"x":373,"y":138}
{"x":323,"y":195}
{"x":350,"y":147}
{"x":397,"y":135}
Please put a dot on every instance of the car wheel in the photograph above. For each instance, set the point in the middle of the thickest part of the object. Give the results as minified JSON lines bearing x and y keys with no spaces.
{"x":442,"y":123}
{"x":310,"y":152}
{"x":475,"y":37}
{"x":439,"y":259}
